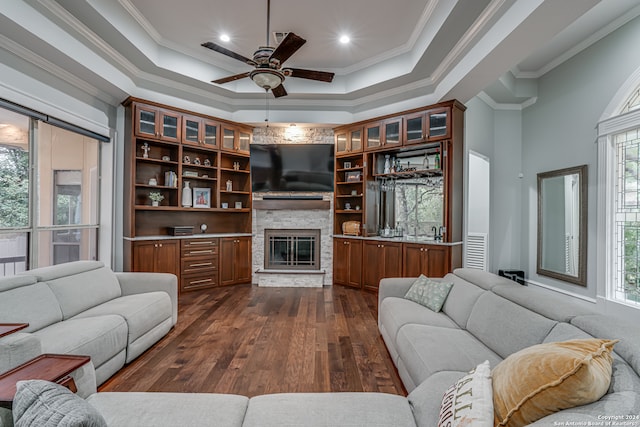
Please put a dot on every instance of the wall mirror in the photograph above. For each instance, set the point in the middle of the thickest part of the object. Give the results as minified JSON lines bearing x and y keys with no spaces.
{"x":562,"y":224}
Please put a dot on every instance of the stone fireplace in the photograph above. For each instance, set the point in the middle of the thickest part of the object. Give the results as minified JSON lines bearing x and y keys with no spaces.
{"x":298,"y":233}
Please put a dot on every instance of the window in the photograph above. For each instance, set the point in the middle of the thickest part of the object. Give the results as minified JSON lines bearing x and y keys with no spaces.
{"x":48,"y":211}
{"x":627,"y":216}
{"x":619,"y":203}
{"x":419,"y":206}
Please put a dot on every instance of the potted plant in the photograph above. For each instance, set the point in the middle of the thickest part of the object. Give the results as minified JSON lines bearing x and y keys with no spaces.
{"x":156,"y":198}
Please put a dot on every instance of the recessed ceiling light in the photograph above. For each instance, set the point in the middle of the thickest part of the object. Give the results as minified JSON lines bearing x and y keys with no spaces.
{"x":225,"y":37}
{"x":344,"y":39}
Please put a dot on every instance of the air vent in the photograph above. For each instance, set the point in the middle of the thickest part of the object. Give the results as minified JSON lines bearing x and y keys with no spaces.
{"x":278,"y":36}
{"x":476,"y":251}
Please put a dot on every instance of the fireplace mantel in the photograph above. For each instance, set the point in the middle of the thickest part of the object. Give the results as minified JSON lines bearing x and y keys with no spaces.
{"x":293,"y":204}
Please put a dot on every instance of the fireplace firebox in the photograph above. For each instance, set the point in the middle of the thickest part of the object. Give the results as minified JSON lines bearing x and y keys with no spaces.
{"x":292,"y":249}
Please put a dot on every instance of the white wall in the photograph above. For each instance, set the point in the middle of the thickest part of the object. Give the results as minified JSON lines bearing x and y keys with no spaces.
{"x":497,"y":135}
{"x":558,"y":131}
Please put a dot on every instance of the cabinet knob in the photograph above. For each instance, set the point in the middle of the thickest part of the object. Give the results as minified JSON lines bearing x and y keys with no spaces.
{"x":160,"y":244}
{"x":155,"y":245}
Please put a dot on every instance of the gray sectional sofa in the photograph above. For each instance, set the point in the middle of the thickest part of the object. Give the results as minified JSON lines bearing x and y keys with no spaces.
{"x":485,"y":317}
{"x":85,"y":308}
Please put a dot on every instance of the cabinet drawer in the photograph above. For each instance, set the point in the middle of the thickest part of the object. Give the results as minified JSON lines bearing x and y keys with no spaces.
{"x":199,"y":248}
{"x":199,"y":243}
{"x":198,"y":265}
{"x":199,"y":281}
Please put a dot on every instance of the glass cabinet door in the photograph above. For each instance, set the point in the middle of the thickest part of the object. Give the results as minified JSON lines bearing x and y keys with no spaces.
{"x":341,"y":143}
{"x":210,"y":134}
{"x":244,"y":141}
{"x":146,"y":121}
{"x":438,"y":123}
{"x":191,"y":131}
{"x":372,"y":137}
{"x":228,"y":139}
{"x":170,"y":127}
{"x":356,"y":140}
{"x":415,"y":129}
{"x":392,"y":132}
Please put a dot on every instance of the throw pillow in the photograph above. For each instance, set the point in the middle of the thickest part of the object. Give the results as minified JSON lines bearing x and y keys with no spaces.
{"x":545,"y":378}
{"x":469,"y":402}
{"x":429,"y":293}
{"x":39,"y":403}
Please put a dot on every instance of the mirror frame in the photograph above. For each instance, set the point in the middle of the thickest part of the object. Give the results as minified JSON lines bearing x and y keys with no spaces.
{"x":581,"y":278}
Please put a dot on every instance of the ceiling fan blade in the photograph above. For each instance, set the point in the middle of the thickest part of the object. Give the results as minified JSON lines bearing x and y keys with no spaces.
{"x":287,"y":47}
{"x":322,"y":76}
{"x":231,"y":78}
{"x":279,"y":91}
{"x":227,"y":52}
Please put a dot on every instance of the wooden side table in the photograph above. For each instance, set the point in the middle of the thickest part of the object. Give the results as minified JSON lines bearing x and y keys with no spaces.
{"x":50,"y":367}
{"x":9,"y":328}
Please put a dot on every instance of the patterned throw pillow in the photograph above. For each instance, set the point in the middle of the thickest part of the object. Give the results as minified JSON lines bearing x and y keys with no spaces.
{"x":469,"y":402}
{"x":429,"y":293}
{"x":545,"y":378}
{"x":39,"y":403}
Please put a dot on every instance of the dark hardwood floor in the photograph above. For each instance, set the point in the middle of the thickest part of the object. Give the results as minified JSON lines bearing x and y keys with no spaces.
{"x":249,"y":340}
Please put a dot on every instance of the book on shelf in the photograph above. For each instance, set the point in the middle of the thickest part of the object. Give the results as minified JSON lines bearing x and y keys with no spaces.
{"x":170,"y":179}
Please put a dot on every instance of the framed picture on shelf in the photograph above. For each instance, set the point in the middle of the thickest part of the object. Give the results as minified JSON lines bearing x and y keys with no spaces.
{"x":354,"y":176}
{"x":347,"y":165}
{"x":201,"y":197}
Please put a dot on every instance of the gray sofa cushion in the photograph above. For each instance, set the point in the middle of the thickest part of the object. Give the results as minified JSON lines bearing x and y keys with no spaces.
{"x":397,"y":312}
{"x":426,"y":399}
{"x":541,"y":301}
{"x":607,"y":327}
{"x":426,"y":350}
{"x":506,"y":327}
{"x":13,"y":282}
{"x":32,"y":303}
{"x":170,"y":409}
{"x":461,"y":299}
{"x":481,"y":278}
{"x":79,"y":286}
{"x":45,"y":404}
{"x":142,"y":312}
{"x":329,"y":409}
{"x":100,"y":337}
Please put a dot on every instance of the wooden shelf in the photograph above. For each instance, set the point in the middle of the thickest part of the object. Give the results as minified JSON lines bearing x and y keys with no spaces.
{"x":198,"y":178}
{"x":348,"y":182}
{"x":159,"y":187}
{"x":235,"y":192}
{"x":234,"y":170}
{"x":348,"y":195}
{"x":158,"y":161}
{"x":355,"y":168}
{"x":349,"y":211}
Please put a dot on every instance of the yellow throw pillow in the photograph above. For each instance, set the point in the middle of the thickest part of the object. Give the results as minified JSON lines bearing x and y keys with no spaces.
{"x":545,"y":378}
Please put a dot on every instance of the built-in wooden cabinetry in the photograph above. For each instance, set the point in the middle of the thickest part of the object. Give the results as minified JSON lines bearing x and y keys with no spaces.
{"x":434,"y":131}
{"x":171,"y":151}
{"x":347,"y":262}
{"x":382,"y":259}
{"x":235,"y":260}
{"x":430,"y":260}
{"x":199,"y":262}
{"x":162,"y":256}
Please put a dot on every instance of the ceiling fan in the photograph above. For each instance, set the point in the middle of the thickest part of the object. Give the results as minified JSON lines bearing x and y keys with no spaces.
{"x":267,"y":60}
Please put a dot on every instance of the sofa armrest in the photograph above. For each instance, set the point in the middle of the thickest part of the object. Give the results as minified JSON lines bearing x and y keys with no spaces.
{"x":18,"y":348}
{"x":394,"y":287}
{"x":138,"y":283}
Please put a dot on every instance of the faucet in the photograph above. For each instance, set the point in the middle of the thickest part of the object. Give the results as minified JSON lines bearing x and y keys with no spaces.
{"x":436,"y":233}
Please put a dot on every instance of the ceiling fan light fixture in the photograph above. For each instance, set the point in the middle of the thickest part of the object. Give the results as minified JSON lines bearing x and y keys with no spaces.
{"x":267,"y":78}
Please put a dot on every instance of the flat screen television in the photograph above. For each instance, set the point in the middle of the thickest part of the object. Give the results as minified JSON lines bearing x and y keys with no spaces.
{"x":291,"y":167}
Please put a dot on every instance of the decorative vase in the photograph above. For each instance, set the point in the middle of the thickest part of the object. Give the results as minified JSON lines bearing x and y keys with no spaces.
{"x":387,"y":164}
{"x":187,"y":196}
{"x":154,"y":203}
